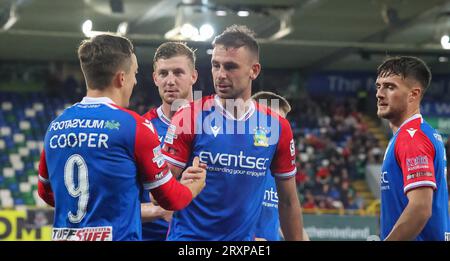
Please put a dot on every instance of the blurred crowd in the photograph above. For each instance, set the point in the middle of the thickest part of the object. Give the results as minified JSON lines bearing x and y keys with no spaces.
{"x":333,"y":148}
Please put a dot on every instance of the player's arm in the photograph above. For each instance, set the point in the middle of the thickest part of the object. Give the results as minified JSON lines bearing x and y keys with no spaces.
{"x":44,"y":188}
{"x":289,"y":209}
{"x":156,"y":176}
{"x":150,"y":212}
{"x":415,"y":155}
{"x":415,"y":216}
{"x":185,"y":176}
{"x":176,"y":171}
{"x":284,"y":170}
{"x":177,"y":147}
{"x":174,"y":195}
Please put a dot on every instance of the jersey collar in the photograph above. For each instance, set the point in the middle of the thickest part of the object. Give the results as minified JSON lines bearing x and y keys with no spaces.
{"x":162,"y":116}
{"x":95,"y":100}
{"x":99,"y":100}
{"x":230,"y":116}
{"x":415,"y":116}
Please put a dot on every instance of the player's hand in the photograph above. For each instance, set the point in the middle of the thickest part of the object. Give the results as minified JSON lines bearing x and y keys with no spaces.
{"x":194,"y":177}
{"x":167,"y":215}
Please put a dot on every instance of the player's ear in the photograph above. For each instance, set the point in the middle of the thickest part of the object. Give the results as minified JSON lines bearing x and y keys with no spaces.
{"x":155,"y":78}
{"x":255,"y":70}
{"x":415,"y":94}
{"x":119,"y":78}
{"x":194,"y":76}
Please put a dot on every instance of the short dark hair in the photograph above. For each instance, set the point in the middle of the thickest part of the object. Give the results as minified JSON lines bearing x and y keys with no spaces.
{"x":269,"y":96}
{"x":102,"y":56}
{"x":172,"y":49}
{"x":236,"y":36}
{"x":406,"y":67}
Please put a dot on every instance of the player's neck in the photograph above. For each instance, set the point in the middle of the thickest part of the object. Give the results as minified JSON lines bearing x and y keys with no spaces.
{"x":170,"y":109}
{"x":236,"y":107}
{"x":396,"y":124}
{"x":114,"y":96}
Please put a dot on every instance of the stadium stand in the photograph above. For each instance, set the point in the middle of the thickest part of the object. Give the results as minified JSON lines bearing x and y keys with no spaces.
{"x":333,"y":146}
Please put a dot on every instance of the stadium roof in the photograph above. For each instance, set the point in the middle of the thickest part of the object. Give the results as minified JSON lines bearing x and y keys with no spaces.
{"x":303,"y":34}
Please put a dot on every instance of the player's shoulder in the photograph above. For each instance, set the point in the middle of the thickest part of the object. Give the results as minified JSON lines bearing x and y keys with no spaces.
{"x":265,"y":110}
{"x":262,"y":108}
{"x":127,"y":111}
{"x":411,"y":130}
{"x":151,"y":114}
{"x":414,"y":133}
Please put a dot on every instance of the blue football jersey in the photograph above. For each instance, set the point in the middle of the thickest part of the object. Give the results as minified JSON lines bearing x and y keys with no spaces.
{"x":415,"y":157}
{"x":238,"y":154}
{"x":268,"y":225}
{"x":97,"y":157}
{"x":156,"y":230}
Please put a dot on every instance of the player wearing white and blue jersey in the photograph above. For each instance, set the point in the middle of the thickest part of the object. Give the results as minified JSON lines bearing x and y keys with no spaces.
{"x":239,"y":140}
{"x":98,"y":156}
{"x":174,"y":74}
{"x":414,"y":195}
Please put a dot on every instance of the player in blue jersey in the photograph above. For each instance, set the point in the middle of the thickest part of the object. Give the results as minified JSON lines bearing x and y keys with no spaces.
{"x":174,"y":74}
{"x":414,"y":196}
{"x":98,"y":155}
{"x":268,"y":225}
{"x":239,"y":140}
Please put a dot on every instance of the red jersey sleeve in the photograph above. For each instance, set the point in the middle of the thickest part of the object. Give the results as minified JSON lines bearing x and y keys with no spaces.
{"x":149,"y":159}
{"x":179,"y":137}
{"x":415,"y":154}
{"x":283,"y":164}
{"x":44,"y":188}
{"x":156,"y":175}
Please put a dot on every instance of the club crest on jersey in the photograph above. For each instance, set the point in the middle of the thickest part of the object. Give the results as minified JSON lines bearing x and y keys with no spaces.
{"x":112,"y":125}
{"x":158,"y":158}
{"x":260,"y":137}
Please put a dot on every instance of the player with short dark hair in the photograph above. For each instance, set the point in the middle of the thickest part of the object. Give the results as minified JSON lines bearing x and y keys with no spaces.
{"x":98,"y":155}
{"x":239,"y":140}
{"x":414,"y":195}
{"x":174,"y":74}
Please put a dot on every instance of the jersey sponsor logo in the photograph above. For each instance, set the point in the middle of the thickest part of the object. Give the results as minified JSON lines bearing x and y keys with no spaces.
{"x":158,"y":156}
{"x":292,"y":147}
{"x":419,"y":175}
{"x":438,"y":137}
{"x":411,"y":132}
{"x":83,"y":234}
{"x":260,"y":137}
{"x":77,"y":123}
{"x":419,"y":162}
{"x":160,"y":175}
{"x":270,"y":198}
{"x":112,"y":125}
{"x":383,"y":177}
{"x":149,"y":125}
{"x":231,"y":160}
{"x":383,"y":181}
{"x":170,"y":135}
